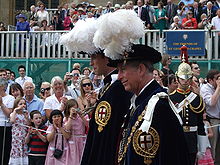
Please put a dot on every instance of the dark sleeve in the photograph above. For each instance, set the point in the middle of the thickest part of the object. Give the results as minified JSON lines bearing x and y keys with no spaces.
{"x":175,"y":10}
{"x":199,"y":107}
{"x":171,"y":134}
{"x":145,"y":16}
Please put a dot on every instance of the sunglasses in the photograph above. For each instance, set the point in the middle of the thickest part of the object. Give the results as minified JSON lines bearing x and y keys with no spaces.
{"x":196,"y":68}
{"x":44,"y":89}
{"x":75,"y":74}
{"x":87,"y":84}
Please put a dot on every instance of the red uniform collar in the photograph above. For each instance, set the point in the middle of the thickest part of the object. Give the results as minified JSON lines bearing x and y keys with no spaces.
{"x":183,"y":91}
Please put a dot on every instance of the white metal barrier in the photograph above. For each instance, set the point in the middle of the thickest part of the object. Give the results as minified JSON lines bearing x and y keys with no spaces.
{"x":44,"y":44}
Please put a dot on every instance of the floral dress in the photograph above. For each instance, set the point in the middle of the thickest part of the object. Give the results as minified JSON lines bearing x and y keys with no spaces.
{"x":19,"y":154}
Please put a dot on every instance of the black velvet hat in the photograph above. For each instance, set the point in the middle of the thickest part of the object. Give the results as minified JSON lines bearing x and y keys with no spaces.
{"x":138,"y":52}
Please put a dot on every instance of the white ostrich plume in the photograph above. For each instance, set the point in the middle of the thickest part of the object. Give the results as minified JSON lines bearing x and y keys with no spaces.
{"x":116,"y":31}
{"x":81,"y":36}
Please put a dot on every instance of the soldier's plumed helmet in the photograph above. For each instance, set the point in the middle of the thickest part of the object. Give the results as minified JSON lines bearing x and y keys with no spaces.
{"x":184,"y":71}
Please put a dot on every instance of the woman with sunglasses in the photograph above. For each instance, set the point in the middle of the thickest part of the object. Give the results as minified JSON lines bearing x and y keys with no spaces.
{"x":86,"y":89}
{"x":189,"y":22}
{"x":166,"y":61}
{"x":42,"y":14}
{"x":45,"y":90}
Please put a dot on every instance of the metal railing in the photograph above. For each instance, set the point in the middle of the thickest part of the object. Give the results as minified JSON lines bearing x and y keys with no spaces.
{"x":45,"y":44}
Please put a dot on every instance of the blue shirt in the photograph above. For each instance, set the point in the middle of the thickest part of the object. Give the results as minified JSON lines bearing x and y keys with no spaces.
{"x":35,"y":104}
{"x":186,"y":2}
{"x":22,"y":26}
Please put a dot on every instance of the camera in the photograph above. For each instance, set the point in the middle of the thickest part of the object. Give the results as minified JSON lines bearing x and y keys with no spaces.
{"x":42,"y":90}
{"x":57,"y":153}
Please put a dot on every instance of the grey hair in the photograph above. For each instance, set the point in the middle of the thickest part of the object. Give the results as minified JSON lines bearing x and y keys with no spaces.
{"x":209,"y":3}
{"x":4,"y":82}
{"x":28,"y":82}
{"x":56,"y":78}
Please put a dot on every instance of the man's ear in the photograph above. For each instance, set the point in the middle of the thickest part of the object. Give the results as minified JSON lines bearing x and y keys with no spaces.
{"x":142,"y":70}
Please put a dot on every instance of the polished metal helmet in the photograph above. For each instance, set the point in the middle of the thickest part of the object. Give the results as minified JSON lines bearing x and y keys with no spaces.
{"x":184,"y":71}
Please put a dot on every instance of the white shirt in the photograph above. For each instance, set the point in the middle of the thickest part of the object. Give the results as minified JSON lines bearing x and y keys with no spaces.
{"x":21,"y":80}
{"x":8,"y":101}
{"x":52,"y":103}
{"x":73,"y":92}
{"x":139,"y":11}
{"x":206,"y":91}
{"x":43,"y":16}
{"x":216,"y":22}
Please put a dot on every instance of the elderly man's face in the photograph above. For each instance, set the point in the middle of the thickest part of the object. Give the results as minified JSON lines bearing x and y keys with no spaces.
{"x":209,"y":6}
{"x":129,"y":76}
{"x":28,"y":89}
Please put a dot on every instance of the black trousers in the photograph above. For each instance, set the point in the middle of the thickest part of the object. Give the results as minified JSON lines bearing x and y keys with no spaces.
{"x":6,"y":146}
{"x":192,"y":158}
{"x":36,"y":160}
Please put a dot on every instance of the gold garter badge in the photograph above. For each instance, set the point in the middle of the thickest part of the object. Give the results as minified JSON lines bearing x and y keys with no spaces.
{"x":146,"y":144}
{"x":102,"y":114}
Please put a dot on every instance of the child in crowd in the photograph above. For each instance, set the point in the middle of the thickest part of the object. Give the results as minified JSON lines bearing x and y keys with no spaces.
{"x":57,"y":137}
{"x":36,"y":140}
{"x":76,"y":124}
{"x":206,"y":158}
{"x":19,"y":118}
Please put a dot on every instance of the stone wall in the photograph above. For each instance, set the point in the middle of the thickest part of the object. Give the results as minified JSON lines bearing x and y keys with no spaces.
{"x":6,"y":11}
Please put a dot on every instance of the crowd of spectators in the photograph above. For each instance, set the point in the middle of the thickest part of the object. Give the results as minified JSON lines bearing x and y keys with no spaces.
{"x":166,"y":15}
{"x":66,"y":97}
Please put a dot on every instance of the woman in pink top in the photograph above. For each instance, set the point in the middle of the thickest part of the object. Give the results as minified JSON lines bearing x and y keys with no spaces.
{"x":76,"y":124}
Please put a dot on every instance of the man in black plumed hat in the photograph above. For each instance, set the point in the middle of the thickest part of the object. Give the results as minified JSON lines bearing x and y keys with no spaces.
{"x":105,"y":124}
{"x":152,"y":133}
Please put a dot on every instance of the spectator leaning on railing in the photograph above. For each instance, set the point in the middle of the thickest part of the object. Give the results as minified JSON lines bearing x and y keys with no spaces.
{"x":189,"y":22}
{"x":22,"y":24}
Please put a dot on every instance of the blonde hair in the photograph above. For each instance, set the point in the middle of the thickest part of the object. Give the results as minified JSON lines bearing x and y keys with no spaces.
{"x":45,"y":83}
{"x":81,"y":87}
{"x":164,"y":60}
{"x":76,"y":65}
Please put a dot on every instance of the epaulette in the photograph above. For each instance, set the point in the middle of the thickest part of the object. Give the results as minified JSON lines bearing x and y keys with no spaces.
{"x":200,"y":108}
{"x":173,"y":92}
